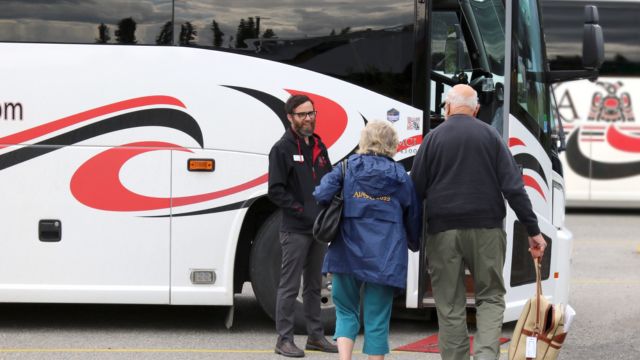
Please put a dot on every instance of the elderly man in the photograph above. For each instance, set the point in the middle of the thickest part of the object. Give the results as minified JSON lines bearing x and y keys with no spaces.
{"x":464,"y":171}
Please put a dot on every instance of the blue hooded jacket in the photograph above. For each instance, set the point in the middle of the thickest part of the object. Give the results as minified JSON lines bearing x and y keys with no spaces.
{"x":381,"y":218}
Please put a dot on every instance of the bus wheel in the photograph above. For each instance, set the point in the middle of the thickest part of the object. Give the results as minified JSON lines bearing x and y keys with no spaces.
{"x":266,"y":257}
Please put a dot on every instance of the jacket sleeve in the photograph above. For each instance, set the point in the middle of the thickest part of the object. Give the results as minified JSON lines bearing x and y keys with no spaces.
{"x":329,"y":185}
{"x":419,"y":171}
{"x":278,"y":175}
{"x":512,"y":188}
{"x":413,"y":219}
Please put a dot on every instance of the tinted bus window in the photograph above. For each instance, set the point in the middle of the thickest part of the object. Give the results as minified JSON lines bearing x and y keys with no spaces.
{"x":447,"y":26}
{"x":105,"y":21}
{"x":368,"y":43}
{"x":620,"y":21}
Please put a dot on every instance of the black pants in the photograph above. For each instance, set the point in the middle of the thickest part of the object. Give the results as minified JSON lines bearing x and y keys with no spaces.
{"x":301,"y":255}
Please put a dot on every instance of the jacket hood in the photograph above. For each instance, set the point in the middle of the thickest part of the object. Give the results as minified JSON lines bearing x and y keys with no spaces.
{"x":377,"y":175}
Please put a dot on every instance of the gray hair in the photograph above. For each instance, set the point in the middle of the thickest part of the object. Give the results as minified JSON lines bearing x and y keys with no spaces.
{"x":378,"y":137}
{"x":454,"y":98}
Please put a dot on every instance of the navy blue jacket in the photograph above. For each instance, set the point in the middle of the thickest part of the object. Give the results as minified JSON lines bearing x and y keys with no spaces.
{"x":462,"y":170}
{"x":381,"y":219}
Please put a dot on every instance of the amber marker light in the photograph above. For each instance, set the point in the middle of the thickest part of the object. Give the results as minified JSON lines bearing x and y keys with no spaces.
{"x":201,"y":165}
{"x":556,"y":275}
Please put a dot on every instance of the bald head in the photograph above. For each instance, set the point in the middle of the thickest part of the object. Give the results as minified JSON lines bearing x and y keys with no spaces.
{"x":463,"y":100}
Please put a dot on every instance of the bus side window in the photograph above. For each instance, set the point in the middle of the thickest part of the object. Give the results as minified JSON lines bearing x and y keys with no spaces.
{"x":88,"y":22}
{"x":375,"y":54}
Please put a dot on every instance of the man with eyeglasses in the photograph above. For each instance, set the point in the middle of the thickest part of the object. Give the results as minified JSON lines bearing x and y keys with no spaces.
{"x":297,"y":162}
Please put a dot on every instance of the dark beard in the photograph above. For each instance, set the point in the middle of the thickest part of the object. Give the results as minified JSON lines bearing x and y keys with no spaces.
{"x":302,"y":131}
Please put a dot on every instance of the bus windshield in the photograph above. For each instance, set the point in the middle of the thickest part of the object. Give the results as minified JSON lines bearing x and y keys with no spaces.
{"x":489,"y":17}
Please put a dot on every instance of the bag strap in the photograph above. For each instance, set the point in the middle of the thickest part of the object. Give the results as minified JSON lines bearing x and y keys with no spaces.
{"x":344,"y":172}
{"x":344,"y":169}
{"x":537,"y":329}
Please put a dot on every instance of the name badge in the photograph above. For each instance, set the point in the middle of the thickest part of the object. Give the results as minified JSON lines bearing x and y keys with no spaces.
{"x":531,"y":348}
{"x":298,"y":158}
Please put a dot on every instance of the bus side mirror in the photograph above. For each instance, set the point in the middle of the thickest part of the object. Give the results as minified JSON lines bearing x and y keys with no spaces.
{"x":592,"y":41}
{"x":592,"y":51}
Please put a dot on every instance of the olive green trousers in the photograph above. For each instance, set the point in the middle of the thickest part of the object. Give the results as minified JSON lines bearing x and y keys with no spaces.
{"x":483,"y":252}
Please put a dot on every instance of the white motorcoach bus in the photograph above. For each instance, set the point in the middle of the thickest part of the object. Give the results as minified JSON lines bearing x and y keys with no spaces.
{"x":602,"y":157}
{"x":134,"y":135}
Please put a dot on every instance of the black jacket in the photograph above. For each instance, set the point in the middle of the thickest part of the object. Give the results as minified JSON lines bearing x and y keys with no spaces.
{"x":463,"y":169}
{"x":295,"y":169}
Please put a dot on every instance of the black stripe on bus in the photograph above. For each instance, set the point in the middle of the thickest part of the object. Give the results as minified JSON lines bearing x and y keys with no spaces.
{"x":594,"y":169}
{"x":592,"y":133}
{"x":529,"y":161}
{"x":228,"y":207}
{"x":169,"y":118}
{"x":276,"y":105}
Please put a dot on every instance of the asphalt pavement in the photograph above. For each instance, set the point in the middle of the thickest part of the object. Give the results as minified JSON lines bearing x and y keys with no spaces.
{"x":605,"y":291}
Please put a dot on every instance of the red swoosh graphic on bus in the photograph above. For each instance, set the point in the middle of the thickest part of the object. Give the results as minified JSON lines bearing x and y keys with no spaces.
{"x":532,"y":183}
{"x":23,"y":136}
{"x":515,"y":142}
{"x":622,"y":141}
{"x":97,"y":184}
{"x":334,"y":118}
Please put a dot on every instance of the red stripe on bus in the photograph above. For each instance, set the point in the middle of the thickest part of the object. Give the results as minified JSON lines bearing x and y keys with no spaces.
{"x":44,"y":129}
{"x":515,"y":142}
{"x":97,"y":184}
{"x":533,"y":183}
{"x":622,"y":141}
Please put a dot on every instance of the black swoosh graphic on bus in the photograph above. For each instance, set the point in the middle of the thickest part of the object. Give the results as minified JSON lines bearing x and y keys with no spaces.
{"x":169,"y":118}
{"x":276,"y":105}
{"x":528,"y":161}
{"x":228,"y":207}
{"x":594,"y":169}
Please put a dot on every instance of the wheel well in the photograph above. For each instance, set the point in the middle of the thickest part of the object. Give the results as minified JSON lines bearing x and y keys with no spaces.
{"x":258,"y":212}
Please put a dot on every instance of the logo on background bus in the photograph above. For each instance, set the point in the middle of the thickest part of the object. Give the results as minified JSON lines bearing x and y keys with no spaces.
{"x":611,"y":107}
{"x":610,"y":122}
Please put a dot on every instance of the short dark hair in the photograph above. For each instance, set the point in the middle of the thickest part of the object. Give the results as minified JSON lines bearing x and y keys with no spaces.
{"x":295,"y":101}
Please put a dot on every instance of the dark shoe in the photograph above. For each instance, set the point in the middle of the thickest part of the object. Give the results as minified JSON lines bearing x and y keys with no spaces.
{"x":289,"y":349}
{"x":321,"y":344}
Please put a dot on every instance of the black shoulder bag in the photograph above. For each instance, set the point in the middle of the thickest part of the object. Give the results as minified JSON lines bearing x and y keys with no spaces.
{"x":327,"y":224}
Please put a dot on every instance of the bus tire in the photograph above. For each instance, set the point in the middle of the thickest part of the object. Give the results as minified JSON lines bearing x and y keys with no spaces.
{"x":265,"y":262}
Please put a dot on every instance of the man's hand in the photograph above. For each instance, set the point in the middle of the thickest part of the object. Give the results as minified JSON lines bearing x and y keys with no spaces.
{"x":537,"y":244}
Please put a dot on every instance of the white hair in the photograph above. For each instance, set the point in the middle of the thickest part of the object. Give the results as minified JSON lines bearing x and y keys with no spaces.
{"x":454,"y":98}
{"x":378,"y":137}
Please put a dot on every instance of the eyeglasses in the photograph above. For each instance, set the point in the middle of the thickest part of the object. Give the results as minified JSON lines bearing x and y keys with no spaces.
{"x":303,"y":115}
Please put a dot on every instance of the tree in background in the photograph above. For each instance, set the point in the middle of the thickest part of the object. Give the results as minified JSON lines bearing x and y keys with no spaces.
{"x":166,"y":34}
{"x":218,"y":36}
{"x":188,"y":34}
{"x":126,"y":33}
{"x":246,"y":30}
{"x":103,"y":34}
{"x":268,"y":34}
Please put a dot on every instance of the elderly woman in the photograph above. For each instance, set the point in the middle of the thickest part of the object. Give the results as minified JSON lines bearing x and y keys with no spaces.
{"x":381,"y":219}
